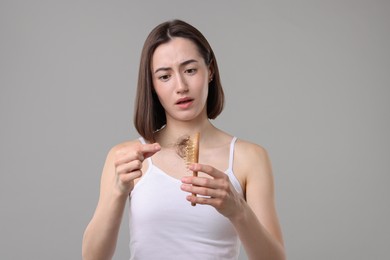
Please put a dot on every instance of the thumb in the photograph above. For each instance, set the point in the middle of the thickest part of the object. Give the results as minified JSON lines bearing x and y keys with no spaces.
{"x":150,"y":149}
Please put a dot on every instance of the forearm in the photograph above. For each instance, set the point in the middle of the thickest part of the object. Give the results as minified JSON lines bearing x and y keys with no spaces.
{"x":259,"y":244}
{"x":101,"y":234}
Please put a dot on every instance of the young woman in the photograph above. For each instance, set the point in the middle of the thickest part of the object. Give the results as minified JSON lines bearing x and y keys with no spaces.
{"x":179,"y":91}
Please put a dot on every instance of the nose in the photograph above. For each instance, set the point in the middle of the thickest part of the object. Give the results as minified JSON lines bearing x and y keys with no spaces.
{"x":181,"y":85}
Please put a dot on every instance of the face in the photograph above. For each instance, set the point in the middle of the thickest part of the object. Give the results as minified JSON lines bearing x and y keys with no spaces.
{"x":180,"y":78}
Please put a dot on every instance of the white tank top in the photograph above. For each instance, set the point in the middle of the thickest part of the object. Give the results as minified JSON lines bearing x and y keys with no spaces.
{"x":164,"y":225}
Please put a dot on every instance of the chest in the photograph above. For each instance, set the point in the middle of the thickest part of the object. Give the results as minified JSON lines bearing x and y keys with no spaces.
{"x":163,"y":223}
{"x":172,"y":164}
{"x":159,"y":199}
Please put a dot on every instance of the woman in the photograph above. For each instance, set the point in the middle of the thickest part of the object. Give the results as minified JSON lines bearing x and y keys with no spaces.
{"x":179,"y":91}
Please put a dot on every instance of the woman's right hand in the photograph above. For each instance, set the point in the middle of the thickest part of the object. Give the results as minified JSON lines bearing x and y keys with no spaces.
{"x":128,"y":165}
{"x":123,"y":165}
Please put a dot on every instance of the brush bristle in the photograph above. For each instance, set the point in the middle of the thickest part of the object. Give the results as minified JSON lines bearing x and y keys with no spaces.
{"x":191,"y":149}
{"x":190,"y":153}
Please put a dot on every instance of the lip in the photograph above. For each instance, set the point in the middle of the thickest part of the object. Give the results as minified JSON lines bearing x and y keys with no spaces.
{"x":185,"y":102}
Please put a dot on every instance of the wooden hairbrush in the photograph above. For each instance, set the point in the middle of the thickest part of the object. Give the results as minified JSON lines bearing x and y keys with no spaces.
{"x":191,"y":153}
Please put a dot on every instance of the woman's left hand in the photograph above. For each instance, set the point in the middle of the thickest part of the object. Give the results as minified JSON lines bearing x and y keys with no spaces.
{"x":216,"y":191}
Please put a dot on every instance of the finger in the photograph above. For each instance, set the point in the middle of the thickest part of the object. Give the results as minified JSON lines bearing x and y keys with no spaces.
{"x":197,"y":167}
{"x":129,"y":167}
{"x":123,"y":157}
{"x":140,"y":153}
{"x":215,"y":202}
{"x":205,"y":182}
{"x":212,"y":193}
{"x":150,"y":149}
{"x":128,"y":178}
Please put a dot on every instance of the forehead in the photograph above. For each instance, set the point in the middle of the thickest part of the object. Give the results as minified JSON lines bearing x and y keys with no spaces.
{"x":175,"y":52}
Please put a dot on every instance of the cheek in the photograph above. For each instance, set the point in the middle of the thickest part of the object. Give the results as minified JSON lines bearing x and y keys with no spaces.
{"x":162,"y":94}
{"x":205,"y":94}
{"x":205,"y":89}
{"x":157,"y":88}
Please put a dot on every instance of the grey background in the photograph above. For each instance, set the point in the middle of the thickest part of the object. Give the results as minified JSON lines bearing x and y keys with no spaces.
{"x":308,"y":80}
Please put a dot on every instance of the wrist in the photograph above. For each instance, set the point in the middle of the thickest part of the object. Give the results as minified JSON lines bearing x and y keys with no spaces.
{"x":240,"y":213}
{"x":118,"y":194}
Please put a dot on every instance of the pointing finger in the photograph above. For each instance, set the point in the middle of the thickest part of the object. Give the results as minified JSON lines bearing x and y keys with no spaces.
{"x":206,"y":169}
{"x":149,"y":149}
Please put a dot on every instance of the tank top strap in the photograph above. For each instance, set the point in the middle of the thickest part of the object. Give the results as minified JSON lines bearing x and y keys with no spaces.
{"x":143,"y":141}
{"x":230,"y":172}
{"x":231,"y":153}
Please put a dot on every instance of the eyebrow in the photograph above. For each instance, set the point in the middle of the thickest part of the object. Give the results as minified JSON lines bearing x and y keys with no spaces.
{"x":184,"y":63}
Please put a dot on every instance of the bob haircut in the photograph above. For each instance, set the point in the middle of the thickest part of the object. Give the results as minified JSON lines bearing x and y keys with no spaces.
{"x":149,"y":113}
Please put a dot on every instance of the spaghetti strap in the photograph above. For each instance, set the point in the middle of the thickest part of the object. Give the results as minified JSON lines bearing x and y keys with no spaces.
{"x":231,"y":154}
{"x":230,"y":173}
{"x":142,"y":140}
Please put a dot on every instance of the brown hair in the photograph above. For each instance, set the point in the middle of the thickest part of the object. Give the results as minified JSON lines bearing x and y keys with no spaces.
{"x":149,"y":113}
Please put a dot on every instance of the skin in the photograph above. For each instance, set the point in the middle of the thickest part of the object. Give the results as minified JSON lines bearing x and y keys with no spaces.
{"x":179,"y":72}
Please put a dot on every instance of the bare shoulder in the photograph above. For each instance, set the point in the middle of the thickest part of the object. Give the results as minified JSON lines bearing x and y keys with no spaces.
{"x":108,"y":173}
{"x":251,"y":162}
{"x":123,"y":148}
{"x":248,"y":152}
{"x":130,"y":144}
{"x":115,"y":152}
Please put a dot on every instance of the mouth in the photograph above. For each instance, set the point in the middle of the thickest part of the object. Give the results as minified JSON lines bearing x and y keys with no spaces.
{"x":184,"y":101}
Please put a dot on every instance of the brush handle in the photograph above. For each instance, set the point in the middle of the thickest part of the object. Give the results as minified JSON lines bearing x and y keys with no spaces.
{"x":195,"y":174}
{"x":195,"y":158}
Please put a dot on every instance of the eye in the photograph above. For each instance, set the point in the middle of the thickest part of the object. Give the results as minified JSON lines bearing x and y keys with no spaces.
{"x":164,"y":77}
{"x":191,"y":71}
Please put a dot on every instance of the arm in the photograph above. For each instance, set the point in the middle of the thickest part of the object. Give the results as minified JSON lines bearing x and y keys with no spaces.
{"x":254,"y":218}
{"x":257,"y":223}
{"x":123,"y":165}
